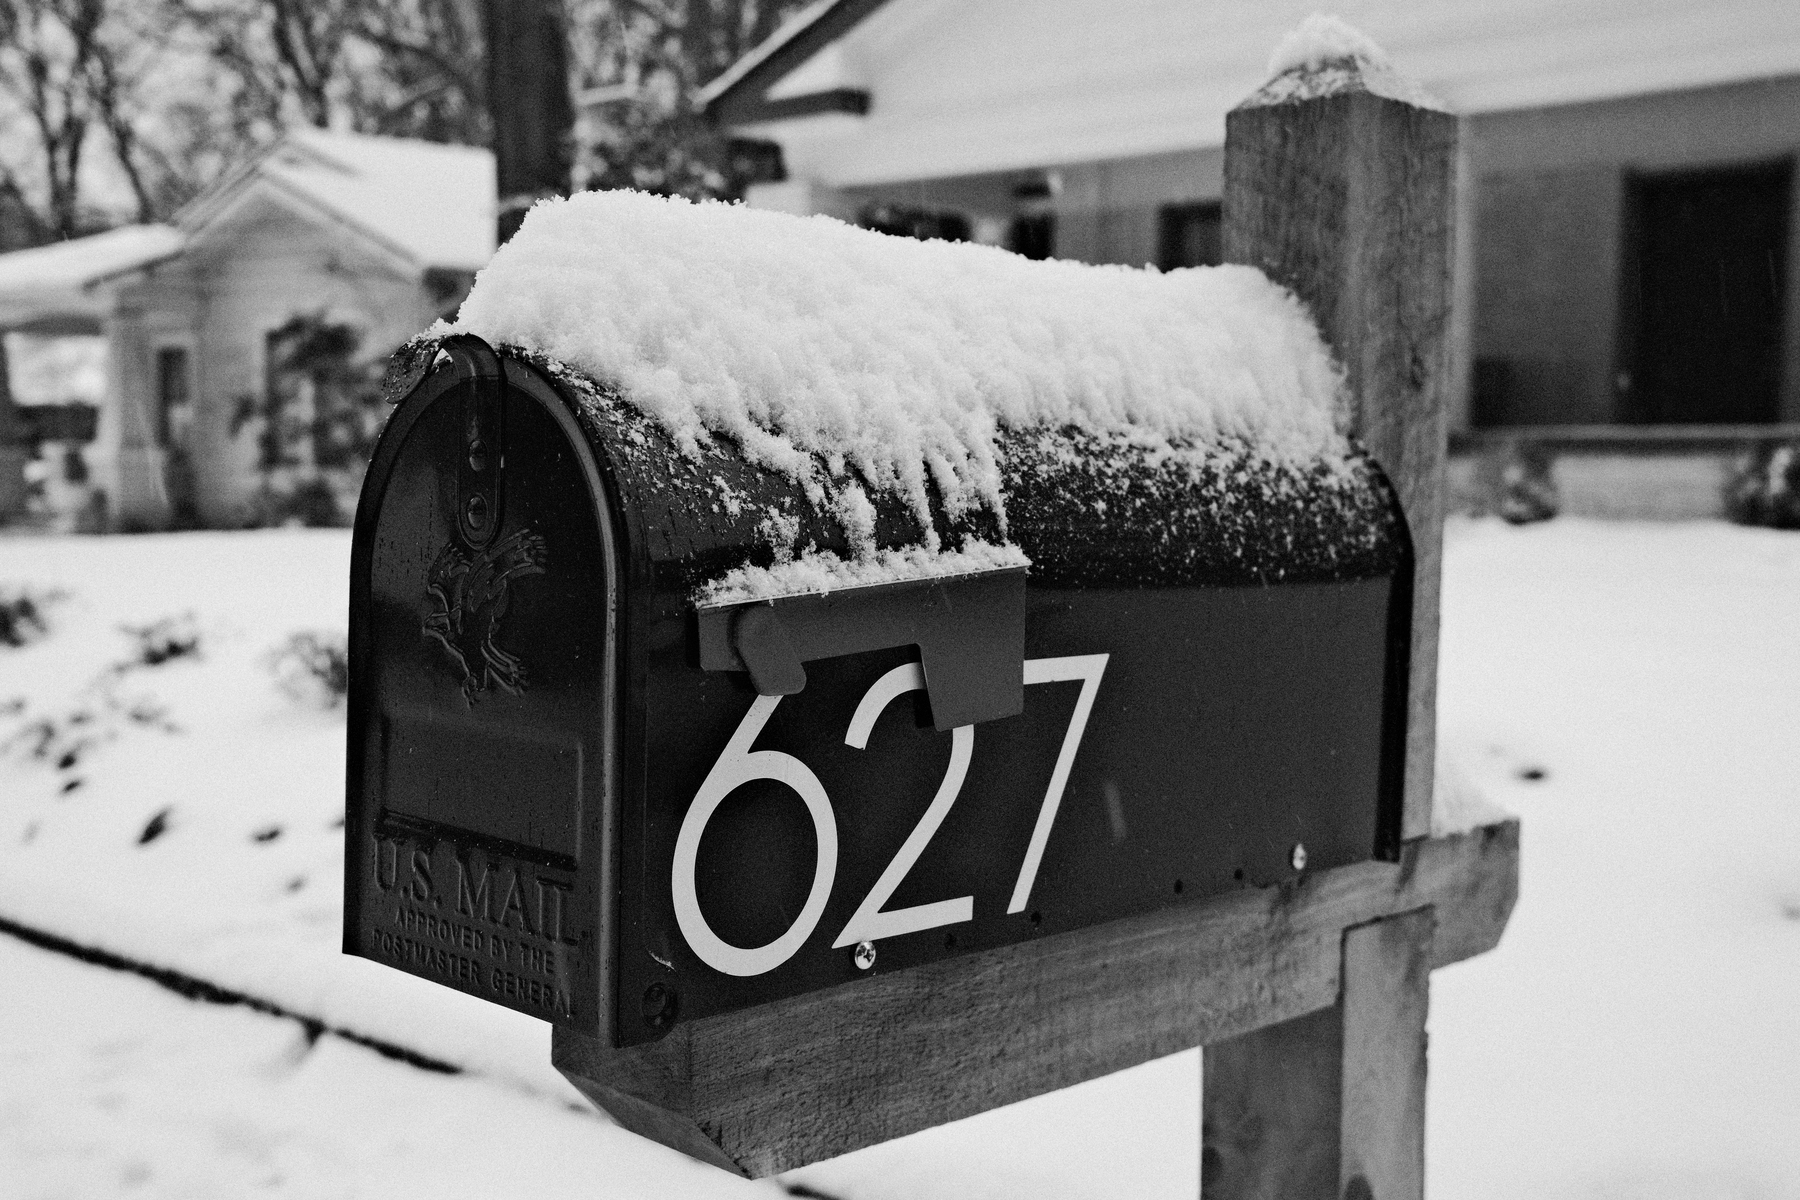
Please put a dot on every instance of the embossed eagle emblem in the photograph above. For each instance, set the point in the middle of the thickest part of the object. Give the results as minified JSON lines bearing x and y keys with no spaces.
{"x":469,"y":595}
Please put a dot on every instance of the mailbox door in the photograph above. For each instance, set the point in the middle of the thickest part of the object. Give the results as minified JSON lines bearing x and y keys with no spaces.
{"x":482,"y":697}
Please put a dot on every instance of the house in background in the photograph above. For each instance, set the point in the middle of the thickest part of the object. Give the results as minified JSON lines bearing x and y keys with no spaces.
{"x":1628,"y":214}
{"x":375,"y":236}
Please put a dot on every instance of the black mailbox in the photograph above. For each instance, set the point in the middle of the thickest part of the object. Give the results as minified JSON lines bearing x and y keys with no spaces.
{"x":587,"y":784}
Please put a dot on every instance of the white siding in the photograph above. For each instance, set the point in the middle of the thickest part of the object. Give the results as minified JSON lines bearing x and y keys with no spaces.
{"x":251,"y":274}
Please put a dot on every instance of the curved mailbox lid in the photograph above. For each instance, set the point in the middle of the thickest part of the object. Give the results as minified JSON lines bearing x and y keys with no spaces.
{"x":483,"y":679}
{"x":1211,"y":667}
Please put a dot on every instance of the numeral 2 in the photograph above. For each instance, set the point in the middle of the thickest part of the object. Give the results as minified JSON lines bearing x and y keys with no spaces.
{"x":870,"y":922}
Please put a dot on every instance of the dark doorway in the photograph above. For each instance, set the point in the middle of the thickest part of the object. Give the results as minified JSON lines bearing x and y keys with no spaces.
{"x":1033,"y":229}
{"x":174,"y":394}
{"x":1190,"y":235}
{"x":1704,"y":281}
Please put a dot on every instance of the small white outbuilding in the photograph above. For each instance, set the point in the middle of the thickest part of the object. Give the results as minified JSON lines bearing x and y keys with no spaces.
{"x":375,"y":235}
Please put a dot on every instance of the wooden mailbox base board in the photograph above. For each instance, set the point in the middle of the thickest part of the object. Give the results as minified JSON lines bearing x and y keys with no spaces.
{"x":792,"y":1082}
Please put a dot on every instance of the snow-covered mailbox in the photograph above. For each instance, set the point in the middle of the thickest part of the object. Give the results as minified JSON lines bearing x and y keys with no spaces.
{"x":844,"y":683}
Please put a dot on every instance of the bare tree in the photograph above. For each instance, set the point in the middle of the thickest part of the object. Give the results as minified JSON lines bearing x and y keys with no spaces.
{"x":47,"y":49}
{"x":405,"y":67}
{"x":153,"y":98}
{"x":284,"y":53}
{"x":430,"y":84}
{"x":640,"y":64}
{"x":78,"y":79}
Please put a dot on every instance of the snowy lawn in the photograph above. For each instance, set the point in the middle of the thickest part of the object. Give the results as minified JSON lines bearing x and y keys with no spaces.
{"x":1633,"y":691}
{"x":113,"y":1086}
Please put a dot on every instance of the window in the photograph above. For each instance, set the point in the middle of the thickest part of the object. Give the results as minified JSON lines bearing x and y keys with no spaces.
{"x":174,"y":394}
{"x":1192,"y":235}
{"x":923,"y":223}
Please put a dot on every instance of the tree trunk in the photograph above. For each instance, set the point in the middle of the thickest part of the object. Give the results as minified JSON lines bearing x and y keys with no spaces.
{"x":528,"y":102}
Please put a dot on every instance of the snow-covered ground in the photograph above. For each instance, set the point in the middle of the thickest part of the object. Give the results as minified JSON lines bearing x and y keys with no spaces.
{"x":1637,"y":1034}
{"x":1633,"y":691}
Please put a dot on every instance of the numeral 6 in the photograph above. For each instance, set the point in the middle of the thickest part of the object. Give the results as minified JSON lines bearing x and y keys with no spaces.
{"x":736,"y":766}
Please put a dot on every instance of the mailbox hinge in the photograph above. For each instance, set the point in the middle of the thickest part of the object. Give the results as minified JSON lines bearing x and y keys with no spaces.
{"x":478,"y":466}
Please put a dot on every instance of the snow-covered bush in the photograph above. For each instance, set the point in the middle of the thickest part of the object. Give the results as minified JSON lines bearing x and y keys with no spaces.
{"x":313,"y":669}
{"x":312,"y":503}
{"x":1511,"y":481}
{"x":316,"y":423}
{"x":1527,"y":488}
{"x":161,"y":641}
{"x":64,"y":740}
{"x":1764,"y":488}
{"x":22,"y":615}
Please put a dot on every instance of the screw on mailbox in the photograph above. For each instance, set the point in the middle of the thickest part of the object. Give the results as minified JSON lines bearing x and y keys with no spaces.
{"x":660,"y":1004}
{"x":1298,"y":858}
{"x":865,"y":955}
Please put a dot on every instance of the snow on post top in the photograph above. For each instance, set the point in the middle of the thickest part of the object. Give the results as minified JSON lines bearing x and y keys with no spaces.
{"x":1322,"y":39}
{"x":809,"y":341}
{"x":1325,"y":55}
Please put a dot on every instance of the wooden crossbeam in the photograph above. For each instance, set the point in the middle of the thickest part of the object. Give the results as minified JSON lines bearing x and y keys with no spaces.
{"x":792,"y":1082}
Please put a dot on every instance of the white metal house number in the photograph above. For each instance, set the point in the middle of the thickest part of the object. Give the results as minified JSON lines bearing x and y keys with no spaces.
{"x":738,"y":764}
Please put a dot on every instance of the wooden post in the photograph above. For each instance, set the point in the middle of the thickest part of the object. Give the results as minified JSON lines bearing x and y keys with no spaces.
{"x":1341,"y":187}
{"x":1331,"y":1104}
{"x":15,"y":449}
{"x":1345,"y":195}
{"x":528,"y":103}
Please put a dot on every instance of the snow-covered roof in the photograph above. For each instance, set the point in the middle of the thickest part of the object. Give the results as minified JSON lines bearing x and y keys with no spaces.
{"x":429,"y":203}
{"x":57,"y":279}
{"x":967,"y":86}
{"x":806,"y":340}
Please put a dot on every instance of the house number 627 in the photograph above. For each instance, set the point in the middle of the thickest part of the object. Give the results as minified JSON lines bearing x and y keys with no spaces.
{"x":738,"y":765}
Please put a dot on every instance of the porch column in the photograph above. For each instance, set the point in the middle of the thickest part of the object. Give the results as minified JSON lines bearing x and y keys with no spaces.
{"x":136,"y":496}
{"x":15,"y":449}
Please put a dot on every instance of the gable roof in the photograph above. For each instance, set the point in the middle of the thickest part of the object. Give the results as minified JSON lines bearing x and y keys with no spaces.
{"x":955,"y":87}
{"x":425,"y":204}
{"x":430,"y":204}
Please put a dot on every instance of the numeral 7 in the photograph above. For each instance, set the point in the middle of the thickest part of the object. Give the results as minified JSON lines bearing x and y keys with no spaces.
{"x":1088,"y":668}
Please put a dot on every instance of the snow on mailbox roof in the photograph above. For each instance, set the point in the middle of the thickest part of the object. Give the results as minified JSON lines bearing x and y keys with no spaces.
{"x":804,"y":340}
{"x":433,"y":204}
